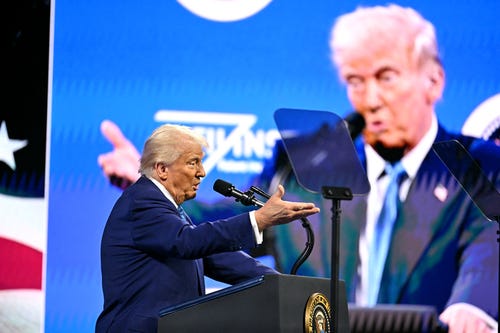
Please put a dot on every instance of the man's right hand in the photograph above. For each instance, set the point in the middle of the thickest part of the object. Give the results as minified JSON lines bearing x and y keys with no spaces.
{"x":121,"y":165}
{"x":277,"y":211}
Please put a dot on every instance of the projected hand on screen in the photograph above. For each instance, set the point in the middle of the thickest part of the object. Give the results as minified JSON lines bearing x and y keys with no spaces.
{"x":120,"y":165}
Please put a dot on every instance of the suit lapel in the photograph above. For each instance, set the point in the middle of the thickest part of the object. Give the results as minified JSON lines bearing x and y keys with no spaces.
{"x":197,"y":263}
{"x":417,"y":225}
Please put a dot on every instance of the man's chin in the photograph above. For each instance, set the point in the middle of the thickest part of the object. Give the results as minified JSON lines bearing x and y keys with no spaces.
{"x":389,"y":151}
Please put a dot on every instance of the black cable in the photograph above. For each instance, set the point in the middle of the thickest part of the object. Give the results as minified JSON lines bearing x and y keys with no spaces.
{"x":309,"y":246}
{"x":310,"y":235}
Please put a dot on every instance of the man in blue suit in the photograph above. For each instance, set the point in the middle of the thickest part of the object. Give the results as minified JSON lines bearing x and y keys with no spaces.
{"x":153,"y":256}
{"x":442,"y":251}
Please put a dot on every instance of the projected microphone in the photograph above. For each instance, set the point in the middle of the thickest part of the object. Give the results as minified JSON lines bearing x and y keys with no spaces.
{"x":228,"y":190}
{"x":355,"y":124}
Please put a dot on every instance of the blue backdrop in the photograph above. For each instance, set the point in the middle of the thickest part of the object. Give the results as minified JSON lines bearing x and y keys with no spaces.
{"x":144,"y":63}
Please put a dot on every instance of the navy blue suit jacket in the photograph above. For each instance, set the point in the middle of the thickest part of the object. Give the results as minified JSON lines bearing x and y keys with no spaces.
{"x":152,"y":259}
{"x":443,"y":249}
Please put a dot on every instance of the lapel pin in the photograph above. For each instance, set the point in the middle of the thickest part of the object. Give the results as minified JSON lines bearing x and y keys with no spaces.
{"x":441,"y":192}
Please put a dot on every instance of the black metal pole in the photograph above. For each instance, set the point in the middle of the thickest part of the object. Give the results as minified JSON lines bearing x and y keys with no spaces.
{"x":334,"y":280}
{"x":335,"y":194}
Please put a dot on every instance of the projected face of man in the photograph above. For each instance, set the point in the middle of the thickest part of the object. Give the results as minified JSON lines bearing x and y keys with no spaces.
{"x":388,"y":82}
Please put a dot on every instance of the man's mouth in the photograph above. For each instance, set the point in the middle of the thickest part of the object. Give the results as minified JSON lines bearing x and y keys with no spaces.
{"x":375,"y":127}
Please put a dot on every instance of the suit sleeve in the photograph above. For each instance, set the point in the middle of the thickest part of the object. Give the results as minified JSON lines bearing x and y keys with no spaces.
{"x":234,"y":267}
{"x":477,"y":282}
{"x":158,"y":229}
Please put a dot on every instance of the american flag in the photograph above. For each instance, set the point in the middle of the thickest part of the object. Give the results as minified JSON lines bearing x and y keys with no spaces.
{"x":23,"y":127}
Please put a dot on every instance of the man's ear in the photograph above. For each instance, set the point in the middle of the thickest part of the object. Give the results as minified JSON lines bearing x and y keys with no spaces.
{"x":161,"y":170}
{"x":435,"y":80}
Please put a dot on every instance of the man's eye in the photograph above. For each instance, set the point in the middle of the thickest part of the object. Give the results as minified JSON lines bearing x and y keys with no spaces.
{"x":388,"y":77}
{"x":355,"y":83}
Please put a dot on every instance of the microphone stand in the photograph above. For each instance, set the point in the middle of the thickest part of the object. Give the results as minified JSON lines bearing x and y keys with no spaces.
{"x":305,"y":223}
{"x":309,"y":246}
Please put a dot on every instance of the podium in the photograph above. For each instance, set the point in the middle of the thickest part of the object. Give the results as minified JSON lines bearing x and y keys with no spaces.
{"x":270,"y":303}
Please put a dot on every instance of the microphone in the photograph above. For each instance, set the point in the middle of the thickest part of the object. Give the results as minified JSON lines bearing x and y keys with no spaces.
{"x":355,"y":124}
{"x":228,"y":190}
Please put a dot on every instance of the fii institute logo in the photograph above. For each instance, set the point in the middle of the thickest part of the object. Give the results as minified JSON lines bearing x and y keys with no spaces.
{"x":224,"y":10}
{"x":234,"y":146}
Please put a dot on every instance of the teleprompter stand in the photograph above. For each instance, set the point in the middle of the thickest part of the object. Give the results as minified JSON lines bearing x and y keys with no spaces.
{"x":323,"y":158}
{"x":336,"y":194}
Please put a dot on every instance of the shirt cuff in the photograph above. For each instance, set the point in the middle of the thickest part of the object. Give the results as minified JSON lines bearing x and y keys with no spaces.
{"x":490,"y":321}
{"x":259,"y":237}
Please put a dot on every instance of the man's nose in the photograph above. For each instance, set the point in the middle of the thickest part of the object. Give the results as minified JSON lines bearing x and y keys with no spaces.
{"x":372,"y":95}
{"x":201,"y":171}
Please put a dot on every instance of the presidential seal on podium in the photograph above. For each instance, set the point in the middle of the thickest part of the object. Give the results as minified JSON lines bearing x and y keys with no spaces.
{"x":317,"y":314}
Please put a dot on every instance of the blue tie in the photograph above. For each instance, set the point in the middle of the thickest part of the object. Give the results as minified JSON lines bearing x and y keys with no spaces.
{"x":199,"y":262}
{"x":383,"y":231}
{"x":184,"y":215}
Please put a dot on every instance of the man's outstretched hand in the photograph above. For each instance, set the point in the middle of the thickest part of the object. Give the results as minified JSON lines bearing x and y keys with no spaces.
{"x":120,"y":165}
{"x":278,"y":211}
